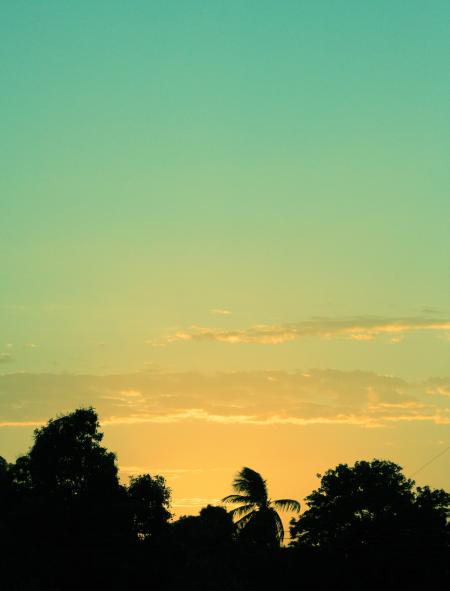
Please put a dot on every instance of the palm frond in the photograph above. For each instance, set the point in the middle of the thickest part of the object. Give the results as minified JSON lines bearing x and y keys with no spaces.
{"x":287,"y":505}
{"x":240,"y":511}
{"x":252,"y":484}
{"x":241,"y":523}
{"x":278,"y":525}
{"x":236,"y":499}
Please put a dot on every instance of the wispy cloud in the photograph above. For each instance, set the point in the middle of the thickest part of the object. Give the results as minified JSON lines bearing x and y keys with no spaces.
{"x":157,"y":343}
{"x":126,"y":398}
{"x":439,"y":390}
{"x":21,"y":423}
{"x":372,"y":419}
{"x":362,"y":328}
{"x":220,"y":312}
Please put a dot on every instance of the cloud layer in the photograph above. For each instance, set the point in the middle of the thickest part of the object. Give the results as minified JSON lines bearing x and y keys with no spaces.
{"x":255,"y":398}
{"x":362,"y":328}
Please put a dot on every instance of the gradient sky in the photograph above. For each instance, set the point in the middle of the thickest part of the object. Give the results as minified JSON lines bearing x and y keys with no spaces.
{"x":226,"y":226}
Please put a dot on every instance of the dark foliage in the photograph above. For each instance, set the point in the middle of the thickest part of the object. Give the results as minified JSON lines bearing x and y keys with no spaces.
{"x":258,"y":522}
{"x":370,"y":520}
{"x":149,"y":500}
{"x":66,"y":523}
{"x":68,"y":520}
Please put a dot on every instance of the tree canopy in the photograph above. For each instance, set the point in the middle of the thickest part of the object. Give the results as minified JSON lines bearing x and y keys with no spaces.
{"x":150,"y":499}
{"x":370,"y":504}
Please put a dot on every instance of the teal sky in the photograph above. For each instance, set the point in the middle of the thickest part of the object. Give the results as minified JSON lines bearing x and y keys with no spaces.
{"x":206,"y":187}
{"x":159,"y":159}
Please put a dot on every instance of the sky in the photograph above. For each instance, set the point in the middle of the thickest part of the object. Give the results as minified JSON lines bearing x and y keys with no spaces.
{"x":225,"y":225}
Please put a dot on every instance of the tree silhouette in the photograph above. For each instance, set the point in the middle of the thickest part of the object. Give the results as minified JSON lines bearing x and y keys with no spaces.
{"x":150,"y":499}
{"x":376,"y":525}
{"x":203,"y":545}
{"x":257,"y":517}
{"x":71,"y":510}
{"x":363,"y":504}
{"x":212,"y":528}
{"x":4,"y":479}
{"x":67,"y":460}
{"x":67,"y":523}
{"x":6,"y":498}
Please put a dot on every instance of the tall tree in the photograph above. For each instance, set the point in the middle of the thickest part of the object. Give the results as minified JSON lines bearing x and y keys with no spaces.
{"x":257,"y":516}
{"x":68,"y":461}
{"x":71,"y":509}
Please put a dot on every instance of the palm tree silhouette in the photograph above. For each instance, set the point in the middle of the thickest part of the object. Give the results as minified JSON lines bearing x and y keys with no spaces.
{"x":257,"y":516}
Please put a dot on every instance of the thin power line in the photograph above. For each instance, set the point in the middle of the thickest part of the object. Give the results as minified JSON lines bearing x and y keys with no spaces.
{"x":441,"y":453}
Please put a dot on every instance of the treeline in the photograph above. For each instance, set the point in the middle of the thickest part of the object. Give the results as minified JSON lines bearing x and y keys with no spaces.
{"x":67,"y":523}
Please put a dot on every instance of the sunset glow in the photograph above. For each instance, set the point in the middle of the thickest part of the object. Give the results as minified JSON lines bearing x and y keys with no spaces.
{"x":225,"y":226}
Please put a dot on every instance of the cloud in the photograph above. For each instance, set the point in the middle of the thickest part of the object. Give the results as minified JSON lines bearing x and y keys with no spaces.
{"x":156,"y":343}
{"x":429,"y":310}
{"x":126,"y":398}
{"x":5,"y":358}
{"x":361,"y":337}
{"x":265,"y":398}
{"x":21,"y":423}
{"x":439,"y":390}
{"x":169,"y":473}
{"x":362,"y":420}
{"x":362,"y":328}
{"x":220,"y":312}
